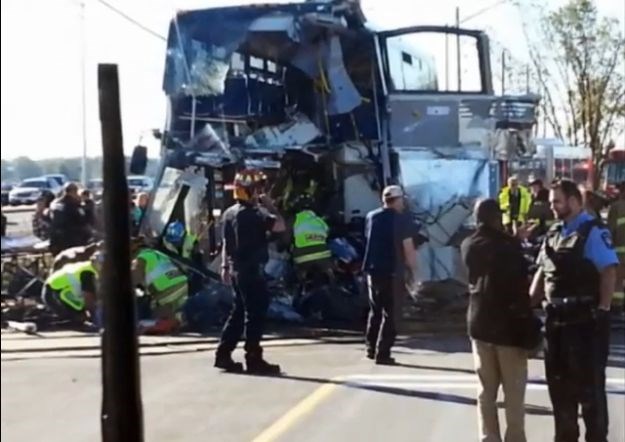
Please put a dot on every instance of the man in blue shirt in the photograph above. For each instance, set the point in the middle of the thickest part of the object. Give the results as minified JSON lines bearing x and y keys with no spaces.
{"x":390,"y":250}
{"x":576,"y":275}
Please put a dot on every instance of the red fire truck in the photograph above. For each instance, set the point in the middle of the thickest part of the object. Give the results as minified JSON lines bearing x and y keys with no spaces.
{"x":613,"y":171}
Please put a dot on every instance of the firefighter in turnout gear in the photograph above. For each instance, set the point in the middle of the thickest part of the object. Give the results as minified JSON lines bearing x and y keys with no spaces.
{"x":166,"y":287}
{"x":576,"y":274}
{"x":246,"y":229}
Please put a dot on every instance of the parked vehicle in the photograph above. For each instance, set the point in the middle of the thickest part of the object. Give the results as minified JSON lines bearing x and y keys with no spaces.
{"x":29,"y":190}
{"x":6,"y":188}
{"x":96,"y":187}
{"x":58,"y":177}
{"x":140,"y":183}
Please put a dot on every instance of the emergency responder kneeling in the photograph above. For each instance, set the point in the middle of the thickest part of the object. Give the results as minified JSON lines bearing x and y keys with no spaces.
{"x":71,"y":292}
{"x":166,"y":287}
{"x":577,"y":272}
{"x":311,"y":254}
{"x":246,"y":227}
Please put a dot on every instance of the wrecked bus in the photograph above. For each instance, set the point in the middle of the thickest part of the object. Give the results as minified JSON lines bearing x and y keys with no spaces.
{"x":324,"y":103}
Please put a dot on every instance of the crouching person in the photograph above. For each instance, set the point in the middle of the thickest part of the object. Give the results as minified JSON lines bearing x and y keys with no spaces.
{"x":166,"y":287}
{"x":70,"y":292}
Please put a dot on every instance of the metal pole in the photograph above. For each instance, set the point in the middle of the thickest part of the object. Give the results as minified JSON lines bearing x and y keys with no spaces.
{"x":458,"y":50}
{"x":122,"y":411}
{"x":503,"y":72}
{"x":527,"y":78}
{"x":83,"y":75}
{"x":446,"y":61}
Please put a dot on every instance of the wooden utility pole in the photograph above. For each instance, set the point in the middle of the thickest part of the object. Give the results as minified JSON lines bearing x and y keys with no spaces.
{"x":122,"y":411}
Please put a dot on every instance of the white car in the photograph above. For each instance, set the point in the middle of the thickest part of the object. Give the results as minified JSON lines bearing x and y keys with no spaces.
{"x":29,"y":190}
{"x":139,"y":183}
{"x":59,"y":177}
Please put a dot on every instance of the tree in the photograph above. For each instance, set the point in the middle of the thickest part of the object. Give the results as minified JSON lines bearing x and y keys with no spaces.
{"x":26,"y":168}
{"x":7,"y":171}
{"x":579,"y":63}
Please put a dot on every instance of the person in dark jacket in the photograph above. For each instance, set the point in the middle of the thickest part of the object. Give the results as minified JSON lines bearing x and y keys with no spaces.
{"x":498,"y":316}
{"x":68,"y":221}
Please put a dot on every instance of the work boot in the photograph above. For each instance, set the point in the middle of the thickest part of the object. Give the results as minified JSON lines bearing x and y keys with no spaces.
{"x":226,"y":363}
{"x":385,"y":360}
{"x":370,"y":353}
{"x":262,"y":367}
{"x":257,"y":365}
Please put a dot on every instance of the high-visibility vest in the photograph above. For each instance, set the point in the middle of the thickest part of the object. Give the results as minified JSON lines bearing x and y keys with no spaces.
{"x":524,"y":204}
{"x":66,"y":281}
{"x":310,"y":233}
{"x":163,"y":279}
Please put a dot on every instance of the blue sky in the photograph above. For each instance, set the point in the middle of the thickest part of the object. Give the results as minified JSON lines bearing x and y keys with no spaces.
{"x":41,"y":69}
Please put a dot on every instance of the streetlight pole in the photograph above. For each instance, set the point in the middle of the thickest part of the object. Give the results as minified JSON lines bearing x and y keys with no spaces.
{"x":83,"y":77}
{"x":458,"y":62}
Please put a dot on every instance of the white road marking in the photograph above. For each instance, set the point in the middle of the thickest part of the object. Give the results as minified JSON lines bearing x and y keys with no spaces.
{"x":448,"y":382}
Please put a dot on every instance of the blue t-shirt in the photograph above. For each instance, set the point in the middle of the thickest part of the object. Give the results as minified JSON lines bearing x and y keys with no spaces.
{"x":385,"y":231}
{"x":598,"y":247}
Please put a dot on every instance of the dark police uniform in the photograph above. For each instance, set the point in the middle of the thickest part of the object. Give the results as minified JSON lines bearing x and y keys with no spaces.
{"x":572,"y":257}
{"x":245,"y":232}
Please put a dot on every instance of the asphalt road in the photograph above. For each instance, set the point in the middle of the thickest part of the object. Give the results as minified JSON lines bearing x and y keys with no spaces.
{"x":329,"y":392}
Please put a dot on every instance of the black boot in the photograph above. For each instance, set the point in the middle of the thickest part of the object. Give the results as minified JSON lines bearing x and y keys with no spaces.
{"x":257,"y":365}
{"x":225,"y":362}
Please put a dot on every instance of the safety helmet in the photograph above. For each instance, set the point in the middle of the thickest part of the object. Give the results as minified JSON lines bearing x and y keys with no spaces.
{"x":246,"y":181}
{"x":175,"y":233}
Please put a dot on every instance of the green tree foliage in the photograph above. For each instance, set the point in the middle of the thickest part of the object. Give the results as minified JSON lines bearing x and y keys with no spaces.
{"x":26,"y":168}
{"x":579,"y":60}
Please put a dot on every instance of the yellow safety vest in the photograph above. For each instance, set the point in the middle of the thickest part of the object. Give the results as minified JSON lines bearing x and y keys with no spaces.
{"x":311,"y":233}
{"x":66,"y":281}
{"x":524,"y":204}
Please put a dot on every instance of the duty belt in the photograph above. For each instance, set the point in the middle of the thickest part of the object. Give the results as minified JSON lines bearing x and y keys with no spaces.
{"x":571,"y":300}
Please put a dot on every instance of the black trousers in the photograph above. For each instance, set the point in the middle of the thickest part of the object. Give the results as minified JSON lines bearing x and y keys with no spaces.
{"x":52,"y":299}
{"x":385,"y":294}
{"x":575,"y":362}
{"x":249,"y":310}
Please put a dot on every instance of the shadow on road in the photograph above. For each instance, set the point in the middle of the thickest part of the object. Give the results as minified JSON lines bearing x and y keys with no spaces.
{"x":430,"y":395}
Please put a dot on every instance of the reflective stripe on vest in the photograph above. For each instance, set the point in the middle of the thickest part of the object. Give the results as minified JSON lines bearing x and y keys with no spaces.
{"x":309,"y":230}
{"x":620,"y":221}
{"x":66,"y":281}
{"x":620,"y":249}
{"x":160,"y":272}
{"x":176,"y":298}
{"x":312,"y":257}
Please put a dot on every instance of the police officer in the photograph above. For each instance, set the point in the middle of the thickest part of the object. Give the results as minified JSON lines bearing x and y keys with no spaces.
{"x":577,"y":265}
{"x":246,"y":228}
